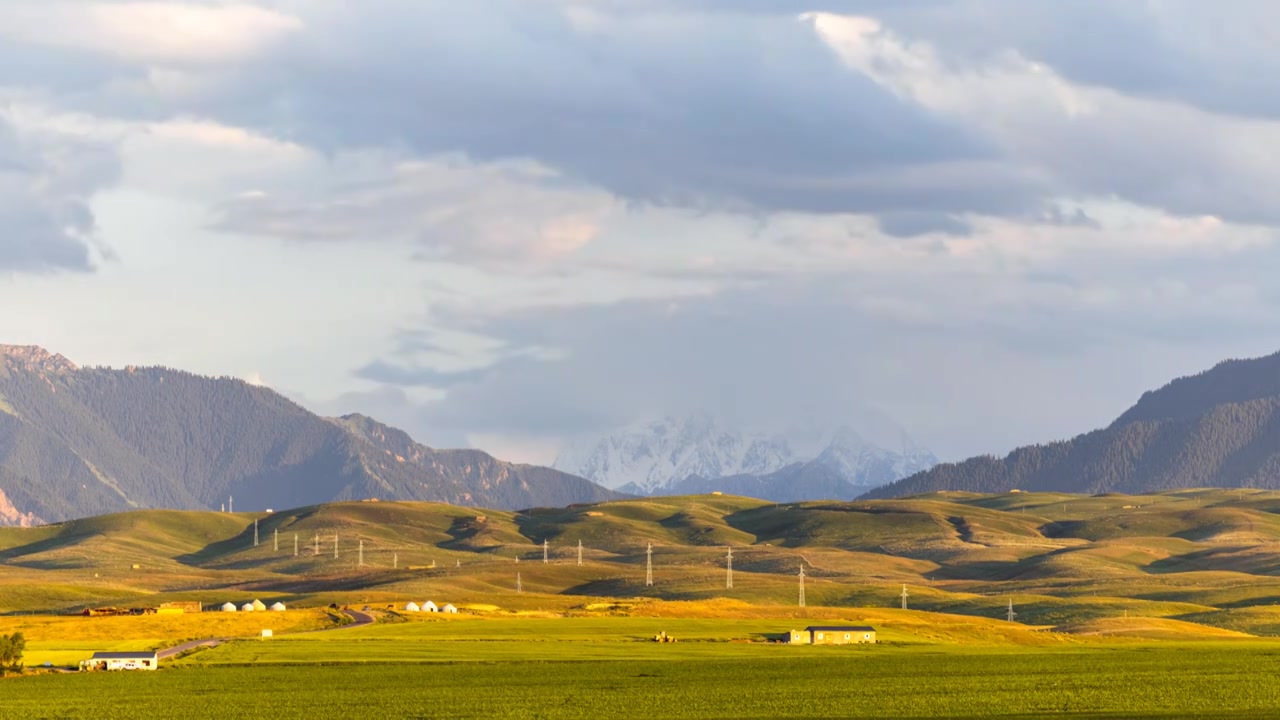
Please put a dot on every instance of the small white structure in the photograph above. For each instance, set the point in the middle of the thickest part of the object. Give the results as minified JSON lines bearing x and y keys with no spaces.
{"x":266,"y":632}
{"x":278,"y":607}
{"x":229,"y":607}
{"x":429,"y":606}
{"x":247,"y":607}
{"x":412,"y":607}
{"x":258,"y":605}
{"x":449,"y":608}
{"x":121,"y":661}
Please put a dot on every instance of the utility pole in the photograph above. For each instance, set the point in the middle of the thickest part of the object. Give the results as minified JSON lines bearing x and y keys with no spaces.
{"x":728,"y":569}
{"x":275,"y":541}
{"x":231,"y":504}
{"x":1012,"y":614}
{"x":395,"y":561}
{"x":544,"y":552}
{"x":360,"y":562}
{"x":579,"y":553}
{"x":335,"y":545}
{"x":255,"y":532}
{"x":519,"y":586}
{"x":295,"y":544}
{"x":904,"y":596}
{"x":648,"y":566}
{"x":801,"y":584}
{"x":317,"y":543}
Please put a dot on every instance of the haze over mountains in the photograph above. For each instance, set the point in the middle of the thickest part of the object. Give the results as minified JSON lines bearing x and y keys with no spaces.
{"x":699,"y":454}
{"x":83,"y":441}
{"x":1220,"y":428}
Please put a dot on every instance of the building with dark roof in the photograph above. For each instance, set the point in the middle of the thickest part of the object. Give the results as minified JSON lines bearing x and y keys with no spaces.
{"x":121,"y":661}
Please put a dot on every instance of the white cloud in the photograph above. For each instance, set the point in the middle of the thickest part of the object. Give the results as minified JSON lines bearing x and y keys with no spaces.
{"x":151,"y":32}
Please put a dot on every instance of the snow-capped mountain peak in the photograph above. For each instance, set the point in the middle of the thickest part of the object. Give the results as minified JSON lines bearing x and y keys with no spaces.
{"x":651,"y":456}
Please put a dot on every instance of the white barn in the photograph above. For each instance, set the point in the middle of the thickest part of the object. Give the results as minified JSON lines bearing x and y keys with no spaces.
{"x":449,"y":608}
{"x":229,"y":607}
{"x":429,"y":606}
{"x":412,"y":607}
{"x":121,"y":661}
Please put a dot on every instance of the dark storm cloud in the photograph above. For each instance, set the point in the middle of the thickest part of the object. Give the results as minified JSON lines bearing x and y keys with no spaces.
{"x":736,"y":111}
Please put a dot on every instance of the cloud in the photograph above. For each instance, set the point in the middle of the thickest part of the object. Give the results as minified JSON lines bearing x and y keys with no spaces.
{"x":150,"y":32}
{"x":447,"y":207}
{"x":46,"y":183}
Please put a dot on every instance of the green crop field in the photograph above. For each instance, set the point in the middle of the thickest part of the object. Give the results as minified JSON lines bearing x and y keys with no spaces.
{"x":719,"y":680}
{"x":1164,"y":605}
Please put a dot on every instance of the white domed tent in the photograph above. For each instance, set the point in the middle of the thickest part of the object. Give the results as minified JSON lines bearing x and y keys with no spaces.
{"x":229,"y":607}
{"x":412,"y":607}
{"x":449,"y":608}
{"x":247,"y":607}
{"x":278,"y":607}
{"x":429,"y":606}
{"x":258,"y":605}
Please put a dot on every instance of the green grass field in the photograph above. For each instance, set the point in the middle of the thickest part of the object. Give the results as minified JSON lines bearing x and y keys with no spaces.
{"x":1163,"y":605}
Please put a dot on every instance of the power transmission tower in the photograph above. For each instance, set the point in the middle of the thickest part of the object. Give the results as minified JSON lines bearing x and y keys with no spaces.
{"x":395,"y":560}
{"x":544,"y":552}
{"x":231,"y":504}
{"x":728,"y":569}
{"x":802,"y":585}
{"x":579,"y":553}
{"x":648,"y":566}
{"x":360,"y":562}
{"x":295,"y":544}
{"x":519,"y":585}
{"x":335,"y":545}
{"x":275,"y":541}
{"x":904,"y":597}
{"x":317,"y":543}
{"x":255,"y":532}
{"x":224,"y":507}
{"x":1012,"y":614}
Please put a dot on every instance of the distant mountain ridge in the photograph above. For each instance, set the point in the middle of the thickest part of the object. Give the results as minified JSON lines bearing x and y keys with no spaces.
{"x":696,"y":454}
{"x":1219,"y":428}
{"x":83,"y":441}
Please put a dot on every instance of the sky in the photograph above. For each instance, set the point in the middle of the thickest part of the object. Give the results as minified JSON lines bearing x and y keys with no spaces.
{"x":504,"y":223}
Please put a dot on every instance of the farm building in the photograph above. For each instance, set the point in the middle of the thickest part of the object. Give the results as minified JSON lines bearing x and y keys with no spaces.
{"x":229,"y":607}
{"x":429,"y":606}
{"x":180,"y":606}
{"x":121,"y":661}
{"x":412,"y":607}
{"x":449,"y":608}
{"x":258,"y":605}
{"x":833,"y":635}
{"x":278,"y":607}
{"x":247,"y":607}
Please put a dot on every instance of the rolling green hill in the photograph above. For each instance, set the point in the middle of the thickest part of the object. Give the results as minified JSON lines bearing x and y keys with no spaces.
{"x":1087,"y":564}
{"x":77,"y":442}
{"x":1220,"y":428}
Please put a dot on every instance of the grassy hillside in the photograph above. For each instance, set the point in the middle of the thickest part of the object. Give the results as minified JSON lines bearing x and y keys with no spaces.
{"x":1078,"y":563}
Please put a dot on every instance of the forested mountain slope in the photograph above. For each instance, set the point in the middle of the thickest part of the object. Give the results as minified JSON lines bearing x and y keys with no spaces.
{"x":77,"y":442}
{"x":1220,"y":428}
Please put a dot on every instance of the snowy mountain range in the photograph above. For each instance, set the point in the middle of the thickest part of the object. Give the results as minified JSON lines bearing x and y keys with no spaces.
{"x":698,"y":454}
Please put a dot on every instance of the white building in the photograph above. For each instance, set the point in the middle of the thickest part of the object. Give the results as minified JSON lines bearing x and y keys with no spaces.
{"x":247,"y":607}
{"x":278,"y":607}
{"x":229,"y":607}
{"x":412,"y":607}
{"x":121,"y":661}
{"x":429,"y":606}
{"x":258,"y":605}
{"x":449,"y":608}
